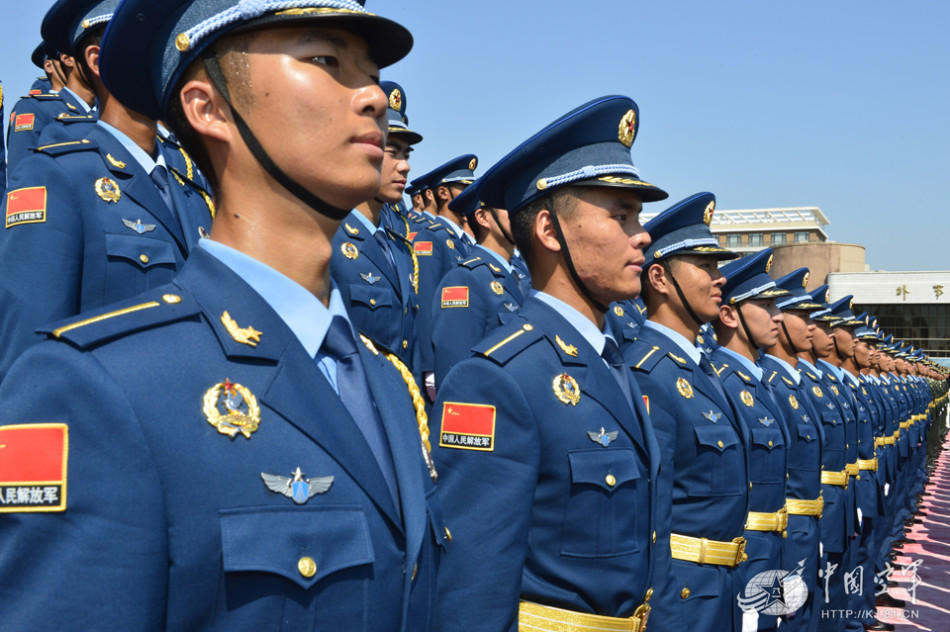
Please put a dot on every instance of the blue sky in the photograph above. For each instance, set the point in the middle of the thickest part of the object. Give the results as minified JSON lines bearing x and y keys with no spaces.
{"x":839,"y":104}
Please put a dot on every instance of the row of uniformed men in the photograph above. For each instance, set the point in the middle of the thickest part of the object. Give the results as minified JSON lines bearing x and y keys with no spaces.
{"x":592,"y":468}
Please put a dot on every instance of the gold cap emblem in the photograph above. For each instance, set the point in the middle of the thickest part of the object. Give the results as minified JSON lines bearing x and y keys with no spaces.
{"x":472,"y":164}
{"x":182,"y":42}
{"x":566,"y":389}
{"x":708,"y":213}
{"x":108,"y":190}
{"x":627,"y":130}
{"x":349,"y":250}
{"x":232,"y":408}
{"x":768,"y":264}
{"x":684,"y":387}
{"x":805,"y":280}
{"x":395,"y":99}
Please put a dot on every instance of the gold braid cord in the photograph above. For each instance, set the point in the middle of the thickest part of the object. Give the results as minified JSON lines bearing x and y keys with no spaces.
{"x":415,"y":259}
{"x":191,"y":176}
{"x":422,"y":419}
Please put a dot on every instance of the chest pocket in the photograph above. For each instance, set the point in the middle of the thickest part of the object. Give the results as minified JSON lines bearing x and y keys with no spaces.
{"x":371,"y":297}
{"x":767,"y":458}
{"x":142,"y":252}
{"x":719,"y":466}
{"x":608,"y":507}
{"x":803,"y":454}
{"x":833,"y":454}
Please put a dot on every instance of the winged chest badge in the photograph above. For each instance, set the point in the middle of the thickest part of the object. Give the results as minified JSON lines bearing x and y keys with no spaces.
{"x":298,"y":488}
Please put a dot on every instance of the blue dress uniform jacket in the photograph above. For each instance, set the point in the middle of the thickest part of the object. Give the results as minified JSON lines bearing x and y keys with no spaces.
{"x":472,"y":300}
{"x":554,"y":500}
{"x":85,"y":227}
{"x":624,"y":319}
{"x":378,"y":295}
{"x":31,"y":115}
{"x":168,"y":524}
{"x":704,"y":471}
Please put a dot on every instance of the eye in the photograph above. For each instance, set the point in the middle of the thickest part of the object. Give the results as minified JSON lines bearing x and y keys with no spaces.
{"x":326,"y":60}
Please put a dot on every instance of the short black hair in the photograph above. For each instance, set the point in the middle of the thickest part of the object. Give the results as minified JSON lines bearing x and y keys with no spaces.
{"x":561,"y":201}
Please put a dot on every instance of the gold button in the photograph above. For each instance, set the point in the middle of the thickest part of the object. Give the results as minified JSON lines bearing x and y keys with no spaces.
{"x":654,"y":537}
{"x":143,"y":258}
{"x":372,"y":301}
{"x":528,"y":327}
{"x":610,"y":480}
{"x":684,"y":593}
{"x":448,"y":534}
{"x":307,"y":567}
{"x":171,"y":299}
{"x":750,"y":484}
{"x":415,"y":571}
{"x":770,"y":444}
{"x":649,"y":594}
{"x":720,"y":444}
{"x":405,"y":344}
{"x":808,"y":436}
{"x":847,"y":445}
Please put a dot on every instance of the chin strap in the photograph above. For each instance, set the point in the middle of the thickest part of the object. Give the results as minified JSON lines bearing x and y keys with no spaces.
{"x":679,"y":292}
{"x":264,"y":160}
{"x":506,"y":234}
{"x":570,"y":262}
{"x":746,"y":326}
{"x":791,"y":345}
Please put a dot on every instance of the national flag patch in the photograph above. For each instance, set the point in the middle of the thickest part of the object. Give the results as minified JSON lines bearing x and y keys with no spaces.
{"x":24,"y":122}
{"x":455,"y":296}
{"x":412,"y":236}
{"x":33,"y":460}
{"x":35,"y":91}
{"x":26,"y":206}
{"x":422,"y":248}
{"x":468,"y":426}
{"x":646,"y":402}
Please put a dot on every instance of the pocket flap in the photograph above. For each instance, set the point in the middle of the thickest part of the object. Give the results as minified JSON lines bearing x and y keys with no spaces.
{"x":371,"y":296}
{"x":279,"y":541}
{"x":807,"y":433}
{"x":767,"y":438}
{"x":830,"y":417}
{"x":604,"y":467}
{"x":142,"y":251}
{"x":718,"y":437}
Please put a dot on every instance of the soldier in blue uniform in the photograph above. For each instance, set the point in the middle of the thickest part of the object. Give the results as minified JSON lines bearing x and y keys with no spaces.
{"x":542,"y":429}
{"x":480,"y":293}
{"x":47,"y":60}
{"x":373,"y":266}
{"x":225,"y":462}
{"x":804,"y":502}
{"x":624,"y":319}
{"x":95,"y":202}
{"x":749,"y":321}
{"x":704,"y":477}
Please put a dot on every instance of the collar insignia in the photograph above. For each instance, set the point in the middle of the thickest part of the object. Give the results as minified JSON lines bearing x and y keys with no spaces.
{"x":747,"y":398}
{"x":494,"y":268}
{"x":108,"y":190}
{"x":712,"y":416}
{"x":370,"y":278}
{"x":299,"y":488}
{"x":603,"y":438}
{"x":138,"y":226}
{"x":245,"y":335}
{"x":566,"y":389}
{"x":570,"y":350}
{"x":118,"y":164}
{"x":232,"y":408}
{"x":684,"y":388}
{"x":351,"y":229}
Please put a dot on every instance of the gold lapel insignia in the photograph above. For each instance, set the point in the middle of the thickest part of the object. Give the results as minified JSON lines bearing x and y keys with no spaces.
{"x":566,"y":389}
{"x":834,"y":389}
{"x":245,"y":335}
{"x":118,"y":164}
{"x":816,"y":390}
{"x":793,"y":402}
{"x":450,"y":244}
{"x":708,"y":213}
{"x":618,"y":311}
{"x":570,"y":350}
{"x":232,"y":408}
{"x":349,"y":250}
{"x":108,"y":190}
{"x":497,"y":288}
{"x":684,"y":387}
{"x":627,"y":130}
{"x":746,"y":398}
{"x":351,"y":229}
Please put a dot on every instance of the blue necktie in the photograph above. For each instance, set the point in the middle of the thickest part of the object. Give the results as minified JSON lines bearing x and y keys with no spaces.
{"x":614,"y":358}
{"x":160,"y":178}
{"x":354,"y":391}
{"x":383,"y":241}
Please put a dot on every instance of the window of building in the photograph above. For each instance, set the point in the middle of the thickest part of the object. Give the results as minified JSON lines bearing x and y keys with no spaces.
{"x":778,"y":239}
{"x":756,"y":239}
{"x":733,"y":240}
{"x":801,"y":236}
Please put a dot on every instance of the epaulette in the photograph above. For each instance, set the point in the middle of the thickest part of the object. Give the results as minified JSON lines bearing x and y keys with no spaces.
{"x":59,"y":149}
{"x":68,"y":118}
{"x":773,"y":376}
{"x":44,"y":96}
{"x":646,"y":356}
{"x":156,"y":307}
{"x":506,"y":342}
{"x":473,"y":263}
{"x":435,"y":227}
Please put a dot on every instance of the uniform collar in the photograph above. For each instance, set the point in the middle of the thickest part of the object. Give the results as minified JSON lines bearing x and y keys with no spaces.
{"x":809,"y":365}
{"x":459,"y":233}
{"x":749,"y":366}
{"x":300,"y":310}
{"x":829,"y":367}
{"x":497,"y":257}
{"x":792,"y":373}
{"x":362,"y":219}
{"x":678,"y":338}
{"x":851,"y":378}
{"x":584,"y":326}
{"x":80,"y":102}
{"x":145,"y":161}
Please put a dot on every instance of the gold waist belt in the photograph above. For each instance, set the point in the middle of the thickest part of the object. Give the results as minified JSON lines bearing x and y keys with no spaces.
{"x":535,"y":617}
{"x":703,"y":551}
{"x":835,"y":478}
{"x":852,"y":469}
{"x":800,"y":507}
{"x":777,"y":521}
{"x":868,"y":464}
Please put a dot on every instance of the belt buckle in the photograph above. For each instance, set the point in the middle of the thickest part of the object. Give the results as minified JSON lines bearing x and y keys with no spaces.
{"x":640,"y":616}
{"x":740,"y":550}
{"x":783,"y":521}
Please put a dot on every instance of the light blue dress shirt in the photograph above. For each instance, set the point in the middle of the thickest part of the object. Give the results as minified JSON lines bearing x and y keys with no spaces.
{"x":792,"y":373}
{"x":483,"y":251}
{"x":745,"y":362}
{"x":679,"y":339}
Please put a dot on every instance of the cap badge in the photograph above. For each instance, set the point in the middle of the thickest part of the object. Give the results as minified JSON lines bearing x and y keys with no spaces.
{"x":828,"y":296}
{"x":232,"y":408}
{"x":684,"y":387}
{"x":793,"y":402}
{"x":570,"y":350}
{"x":138,"y":226}
{"x":805,"y":280}
{"x":349,"y":250}
{"x":497,"y":288}
{"x":395,"y":99}
{"x":299,"y":488}
{"x":603,"y":438}
{"x":108,"y":190}
{"x":472,"y":164}
{"x":746,"y":398}
{"x":628,"y":128}
{"x":768,"y":265}
{"x":708,"y":213}
{"x":244,"y":335}
{"x":566,"y":389}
